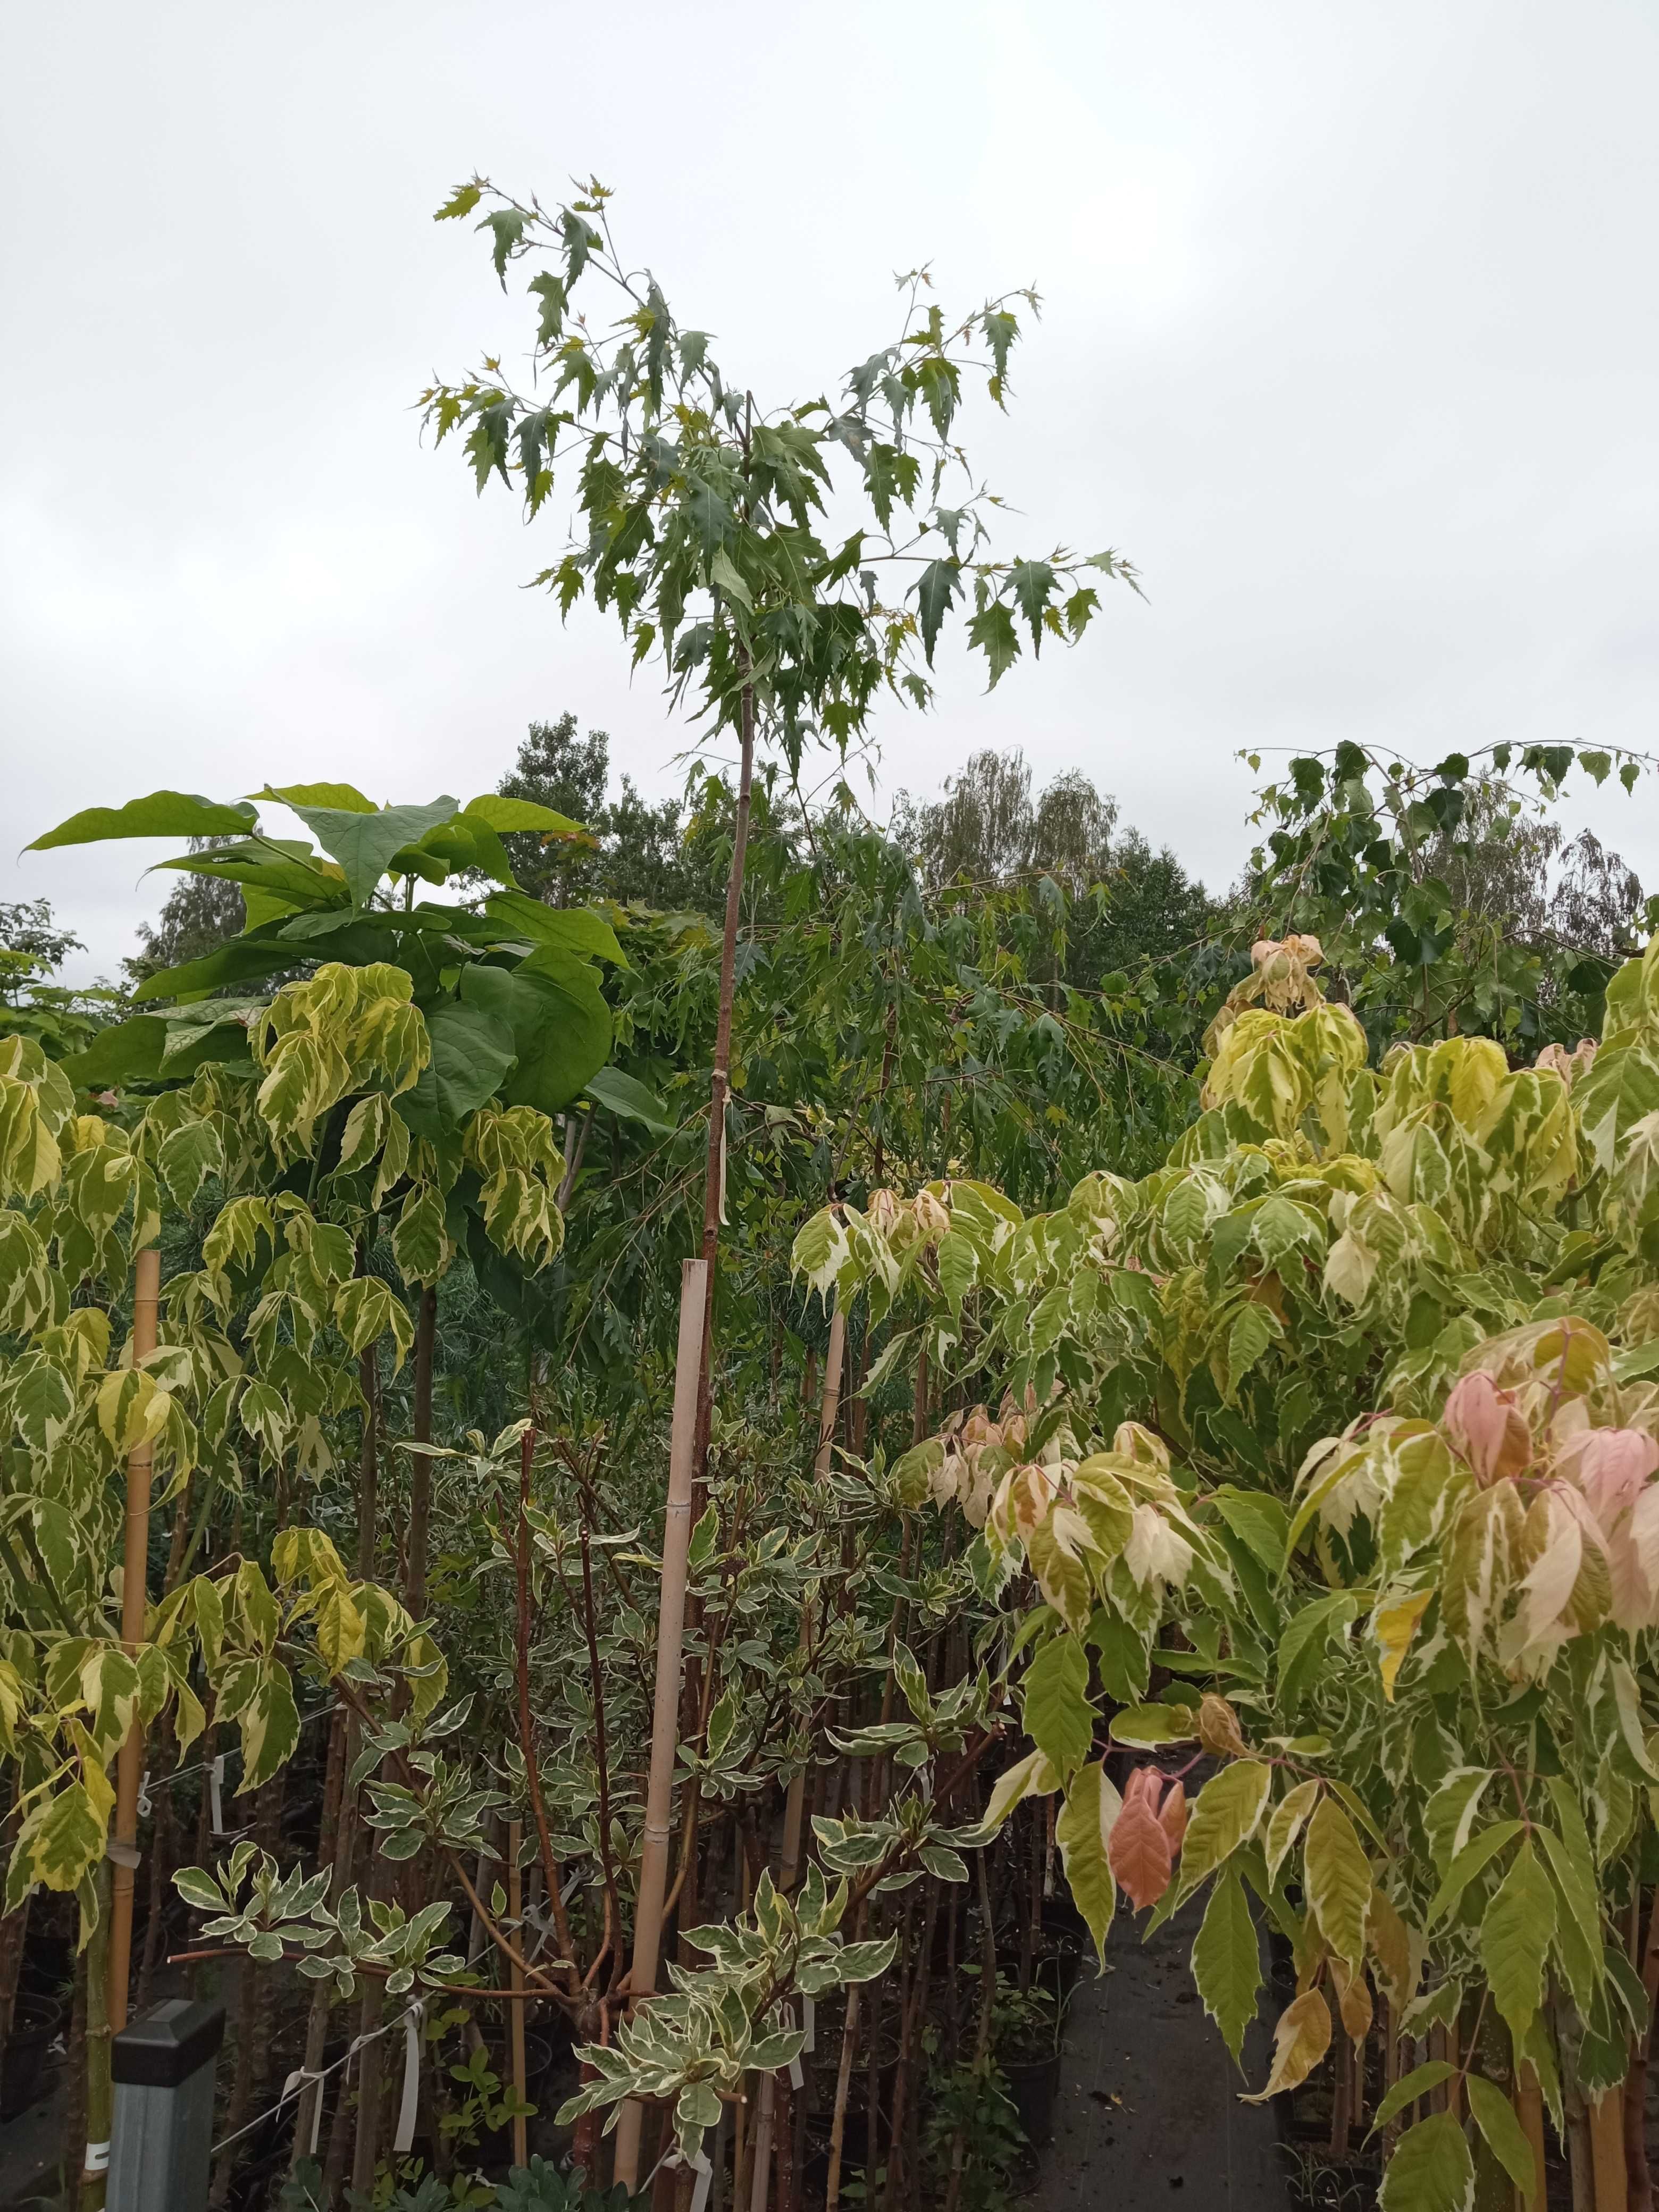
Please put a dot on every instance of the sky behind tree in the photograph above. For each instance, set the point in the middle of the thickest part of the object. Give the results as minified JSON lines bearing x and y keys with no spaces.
{"x":1350,"y":342}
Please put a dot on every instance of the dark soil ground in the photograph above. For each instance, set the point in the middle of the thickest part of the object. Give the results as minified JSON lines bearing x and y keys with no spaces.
{"x":1148,"y":2113}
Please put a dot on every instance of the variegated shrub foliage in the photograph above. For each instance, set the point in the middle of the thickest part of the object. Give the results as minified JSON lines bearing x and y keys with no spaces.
{"x":1342,"y":1428}
{"x":265,"y":1182}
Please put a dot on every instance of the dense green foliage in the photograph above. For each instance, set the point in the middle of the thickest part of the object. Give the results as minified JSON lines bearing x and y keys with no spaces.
{"x":1149,"y":1328}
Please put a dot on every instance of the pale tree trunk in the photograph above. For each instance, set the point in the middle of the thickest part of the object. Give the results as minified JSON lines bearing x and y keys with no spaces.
{"x":720,"y":1082}
{"x":420,"y":1481}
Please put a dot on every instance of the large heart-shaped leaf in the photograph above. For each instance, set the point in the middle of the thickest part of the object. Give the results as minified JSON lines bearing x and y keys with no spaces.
{"x":288,"y":871}
{"x":560,"y":1024}
{"x":162,"y":814}
{"x":627,"y":1096}
{"x":452,"y":849}
{"x":505,"y":816}
{"x":472,"y":1052}
{"x":239,"y":961}
{"x":575,"y":929}
{"x":364,"y":844}
{"x":127,"y":1052}
{"x":345,"y":796}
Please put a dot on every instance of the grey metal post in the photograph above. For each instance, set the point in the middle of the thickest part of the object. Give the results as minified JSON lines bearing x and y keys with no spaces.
{"x":161,"y":2130}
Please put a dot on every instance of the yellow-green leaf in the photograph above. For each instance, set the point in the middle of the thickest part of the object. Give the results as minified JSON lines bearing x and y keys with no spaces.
{"x":1339,"y":1881}
{"x":1515,"y":1939}
{"x":1300,"y":2041}
{"x":1084,"y":1832}
{"x":1285,"y":1825}
{"x":1224,"y":1815}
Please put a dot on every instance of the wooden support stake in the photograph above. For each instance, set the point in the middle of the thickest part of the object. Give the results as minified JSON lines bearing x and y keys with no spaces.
{"x":1607,"y":2132}
{"x":515,"y":1911}
{"x":134,"y":1597}
{"x":665,"y":1727}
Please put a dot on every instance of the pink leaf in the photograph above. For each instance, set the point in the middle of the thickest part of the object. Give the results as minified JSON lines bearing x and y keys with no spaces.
{"x":1486,"y":1428}
{"x":1172,"y":1816}
{"x":1139,"y":1853}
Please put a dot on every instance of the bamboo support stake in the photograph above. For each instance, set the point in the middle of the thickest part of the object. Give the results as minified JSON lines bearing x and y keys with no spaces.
{"x":794,"y":1801}
{"x":829,"y":1405}
{"x":1607,"y":2134}
{"x":665,"y":1727}
{"x":515,"y":1909}
{"x":129,"y":1761}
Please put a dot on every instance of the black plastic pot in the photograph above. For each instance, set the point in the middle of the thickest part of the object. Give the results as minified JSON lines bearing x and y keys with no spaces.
{"x":1055,"y":1971}
{"x":1062,"y":1921}
{"x":35,"y":2020}
{"x":1033,"y":2083}
{"x":540,"y":2057}
{"x":48,"y":1964}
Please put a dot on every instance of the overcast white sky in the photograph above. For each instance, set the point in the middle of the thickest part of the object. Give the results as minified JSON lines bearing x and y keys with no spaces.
{"x":1350,"y":343}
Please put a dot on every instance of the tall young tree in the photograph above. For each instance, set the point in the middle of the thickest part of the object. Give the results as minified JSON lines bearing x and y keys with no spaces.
{"x":700,"y":518}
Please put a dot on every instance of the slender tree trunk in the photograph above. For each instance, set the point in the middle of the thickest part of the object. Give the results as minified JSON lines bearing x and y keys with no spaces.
{"x":1580,"y":2162}
{"x":14,"y":1928}
{"x":420,"y":1481}
{"x":163,"y":1860}
{"x":99,"y":2090}
{"x":714,"y":1192}
{"x":849,"y":2038}
{"x":335,"y":1851}
{"x":713,"y":1205}
{"x":366,"y":2147}
{"x":1637,"y":2176}
{"x":515,"y":1908}
{"x":241,"y":2080}
{"x":74,"y":2114}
